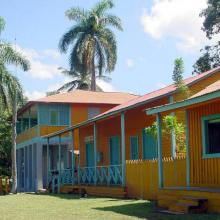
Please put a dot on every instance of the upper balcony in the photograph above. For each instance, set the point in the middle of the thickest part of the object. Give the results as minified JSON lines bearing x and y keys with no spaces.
{"x":42,"y":119}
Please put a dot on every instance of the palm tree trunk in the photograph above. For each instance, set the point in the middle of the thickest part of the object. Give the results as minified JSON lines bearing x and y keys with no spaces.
{"x":93,"y":78}
{"x":13,"y":150}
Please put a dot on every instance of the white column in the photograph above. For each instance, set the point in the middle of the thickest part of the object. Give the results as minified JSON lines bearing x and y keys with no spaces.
{"x":123,"y":147}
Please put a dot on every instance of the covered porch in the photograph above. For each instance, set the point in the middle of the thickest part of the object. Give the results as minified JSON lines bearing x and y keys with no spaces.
{"x":92,"y":165}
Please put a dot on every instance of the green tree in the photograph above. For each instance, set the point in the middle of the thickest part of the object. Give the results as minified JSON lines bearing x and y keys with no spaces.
{"x":210,"y":57}
{"x":211,"y":24}
{"x":178,"y":77}
{"x":94,"y":46}
{"x":11,"y":93}
{"x":79,"y":81}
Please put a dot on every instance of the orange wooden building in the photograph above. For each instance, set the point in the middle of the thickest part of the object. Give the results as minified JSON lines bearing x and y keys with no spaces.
{"x":117,"y":157}
{"x":50,"y":114}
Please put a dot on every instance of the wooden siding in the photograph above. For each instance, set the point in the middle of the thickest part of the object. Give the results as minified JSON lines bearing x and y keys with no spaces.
{"x":135,"y":120}
{"x":27,"y":135}
{"x":79,"y":113}
{"x":45,"y":129}
{"x":142,"y":176}
{"x":203,"y":172}
{"x":195,"y":88}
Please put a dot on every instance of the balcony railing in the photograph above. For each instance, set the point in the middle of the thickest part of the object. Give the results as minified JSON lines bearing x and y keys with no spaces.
{"x":27,"y":134}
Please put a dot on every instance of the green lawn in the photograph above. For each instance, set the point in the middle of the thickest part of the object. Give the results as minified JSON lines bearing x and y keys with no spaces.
{"x":44,"y":207}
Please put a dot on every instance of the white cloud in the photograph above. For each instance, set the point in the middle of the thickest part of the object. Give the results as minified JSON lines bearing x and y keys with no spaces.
{"x":52,"y":53}
{"x":176,"y":19}
{"x":40,"y":69}
{"x":106,"y":87}
{"x":130,"y":62}
{"x":34,"y":95}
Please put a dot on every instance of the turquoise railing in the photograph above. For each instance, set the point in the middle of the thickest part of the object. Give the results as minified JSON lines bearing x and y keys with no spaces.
{"x":105,"y":175}
{"x":68,"y":177}
{"x":87,"y":175}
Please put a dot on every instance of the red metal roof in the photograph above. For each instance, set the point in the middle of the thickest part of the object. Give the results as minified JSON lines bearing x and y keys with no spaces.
{"x":158,"y":93}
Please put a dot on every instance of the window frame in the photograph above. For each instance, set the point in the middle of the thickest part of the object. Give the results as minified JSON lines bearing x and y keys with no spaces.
{"x":204,"y":120}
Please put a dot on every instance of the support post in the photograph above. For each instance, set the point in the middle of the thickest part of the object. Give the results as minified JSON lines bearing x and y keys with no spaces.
{"x":173,"y":135}
{"x":160,"y":148}
{"x":48,"y":162}
{"x":123,"y":147}
{"x":79,"y":161}
{"x":29,"y":118}
{"x":95,"y":152}
{"x":187,"y":149}
{"x":59,"y":162}
{"x":73,"y":159}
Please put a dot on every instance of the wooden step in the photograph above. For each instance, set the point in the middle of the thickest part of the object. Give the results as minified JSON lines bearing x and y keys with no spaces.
{"x":178,"y":207}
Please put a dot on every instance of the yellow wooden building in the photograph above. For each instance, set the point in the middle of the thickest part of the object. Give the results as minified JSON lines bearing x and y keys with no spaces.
{"x":199,"y":187}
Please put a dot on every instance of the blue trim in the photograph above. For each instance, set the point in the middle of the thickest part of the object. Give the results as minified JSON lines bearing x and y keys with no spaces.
{"x":184,"y":103}
{"x":43,"y":141}
{"x":205,"y":143}
{"x":187,"y":149}
{"x":160,"y":150}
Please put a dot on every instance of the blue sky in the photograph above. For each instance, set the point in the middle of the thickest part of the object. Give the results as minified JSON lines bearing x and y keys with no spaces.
{"x":155,"y":33}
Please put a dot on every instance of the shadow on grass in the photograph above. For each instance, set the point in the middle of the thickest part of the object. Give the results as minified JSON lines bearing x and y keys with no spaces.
{"x":140,"y":210}
{"x":69,"y":196}
{"x":147,"y":210}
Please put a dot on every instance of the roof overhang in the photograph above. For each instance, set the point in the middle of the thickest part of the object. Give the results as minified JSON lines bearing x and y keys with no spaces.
{"x":185,"y":103}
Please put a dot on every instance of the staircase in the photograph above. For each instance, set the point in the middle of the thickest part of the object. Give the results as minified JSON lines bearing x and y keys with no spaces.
{"x":173,"y":203}
{"x":189,"y":205}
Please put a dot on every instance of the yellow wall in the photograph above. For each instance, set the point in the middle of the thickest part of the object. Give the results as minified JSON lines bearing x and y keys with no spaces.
{"x":142,"y":176}
{"x":203,"y":172}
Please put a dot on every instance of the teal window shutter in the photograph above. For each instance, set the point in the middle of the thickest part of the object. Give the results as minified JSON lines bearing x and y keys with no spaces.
{"x":134,"y":147}
{"x":90,"y":154}
{"x":149,"y":146}
{"x":115,"y":150}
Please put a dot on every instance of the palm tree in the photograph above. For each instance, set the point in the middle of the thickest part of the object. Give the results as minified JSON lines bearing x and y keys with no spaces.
{"x":93,"y":42}
{"x":80,"y":81}
{"x":11,"y":92}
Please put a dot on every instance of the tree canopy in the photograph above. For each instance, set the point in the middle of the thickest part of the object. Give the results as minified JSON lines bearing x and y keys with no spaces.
{"x":93,"y":43}
{"x":210,"y":57}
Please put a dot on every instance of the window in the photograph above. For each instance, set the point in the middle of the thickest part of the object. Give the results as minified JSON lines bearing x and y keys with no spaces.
{"x":92,"y":112}
{"x":211,"y":134}
{"x":149,"y":146}
{"x":54,"y":117}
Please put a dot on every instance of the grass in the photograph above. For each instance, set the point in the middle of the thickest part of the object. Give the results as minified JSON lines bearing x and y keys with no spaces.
{"x":45,"y":207}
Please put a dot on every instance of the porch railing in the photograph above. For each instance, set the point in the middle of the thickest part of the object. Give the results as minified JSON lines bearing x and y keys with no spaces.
{"x":102,"y":175}
{"x":105,"y":175}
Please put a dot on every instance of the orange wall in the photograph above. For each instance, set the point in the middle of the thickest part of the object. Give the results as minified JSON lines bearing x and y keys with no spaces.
{"x":79,"y":113}
{"x":135,"y":120}
{"x":203,"y":172}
